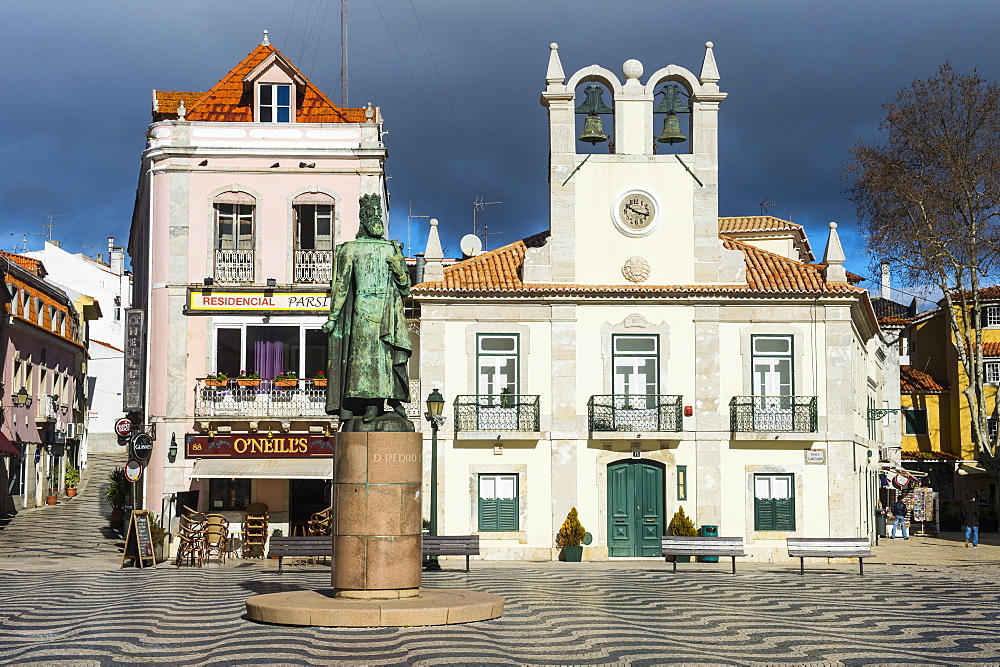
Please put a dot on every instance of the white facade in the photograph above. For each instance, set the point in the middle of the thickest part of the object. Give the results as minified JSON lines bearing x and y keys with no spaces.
{"x":671,"y":365}
{"x":111,"y":286}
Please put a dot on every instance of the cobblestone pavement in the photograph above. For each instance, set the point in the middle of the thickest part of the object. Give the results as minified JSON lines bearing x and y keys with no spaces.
{"x":556,"y":613}
{"x":63,"y":600}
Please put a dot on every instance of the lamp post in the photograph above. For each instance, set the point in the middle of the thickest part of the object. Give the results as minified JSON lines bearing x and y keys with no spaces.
{"x":22,"y":399}
{"x":435,"y":406}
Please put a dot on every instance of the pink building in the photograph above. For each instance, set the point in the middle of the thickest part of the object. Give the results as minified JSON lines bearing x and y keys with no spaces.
{"x":44,"y":359}
{"x":244,"y":192}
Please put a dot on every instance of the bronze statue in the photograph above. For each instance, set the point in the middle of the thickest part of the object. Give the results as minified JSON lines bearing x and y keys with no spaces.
{"x":369,"y":345}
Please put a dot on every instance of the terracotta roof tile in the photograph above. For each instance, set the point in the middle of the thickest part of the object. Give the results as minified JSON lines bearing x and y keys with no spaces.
{"x":933,"y":455}
{"x":231,"y":101}
{"x":912,"y":381}
{"x":165,"y":102}
{"x":31,"y":265}
{"x":499,"y":270}
{"x":756,"y":223}
{"x":991,"y":348}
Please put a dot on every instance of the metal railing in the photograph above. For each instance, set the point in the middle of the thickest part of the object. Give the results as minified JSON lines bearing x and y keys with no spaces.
{"x":263,"y":399}
{"x":773,"y":413}
{"x":635,"y":412}
{"x":497,"y":412}
{"x":313,"y":266}
{"x":234,"y":266}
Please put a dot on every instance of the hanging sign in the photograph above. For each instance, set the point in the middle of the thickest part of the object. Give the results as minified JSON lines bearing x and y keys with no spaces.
{"x":138,"y":539}
{"x":133,"y":470}
{"x":135,"y":359}
{"x":123,"y":427}
{"x":142,"y":446}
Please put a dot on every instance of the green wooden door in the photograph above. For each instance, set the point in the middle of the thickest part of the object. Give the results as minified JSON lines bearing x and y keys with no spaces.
{"x":635,"y":508}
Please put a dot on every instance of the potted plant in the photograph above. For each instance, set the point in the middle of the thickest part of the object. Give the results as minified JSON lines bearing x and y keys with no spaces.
{"x":158,"y":536}
{"x":216,"y":380}
{"x":245,"y":379}
{"x":72,"y":479}
{"x":286,"y":379}
{"x":682,"y":525}
{"x":570,"y":537}
{"x":116,"y":495}
{"x":320,"y":379}
{"x":53,"y":497}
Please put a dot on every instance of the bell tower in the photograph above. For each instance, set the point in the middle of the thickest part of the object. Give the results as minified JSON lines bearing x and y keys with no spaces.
{"x":635,"y":213}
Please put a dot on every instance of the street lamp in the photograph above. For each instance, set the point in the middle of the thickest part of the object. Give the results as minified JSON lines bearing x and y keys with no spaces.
{"x":21,"y":399}
{"x":435,"y":406}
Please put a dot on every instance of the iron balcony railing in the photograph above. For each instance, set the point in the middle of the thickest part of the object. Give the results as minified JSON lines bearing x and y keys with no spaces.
{"x":234,"y":266}
{"x":635,"y":412}
{"x":260,"y":398}
{"x":497,"y":412}
{"x":313,"y":266}
{"x":773,"y":413}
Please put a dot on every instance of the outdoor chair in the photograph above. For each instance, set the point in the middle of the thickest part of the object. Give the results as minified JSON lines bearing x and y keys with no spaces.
{"x":216,"y":537}
{"x":255,"y":524}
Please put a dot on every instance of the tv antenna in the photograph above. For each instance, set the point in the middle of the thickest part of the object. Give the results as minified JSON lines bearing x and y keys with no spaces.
{"x":51,"y":223}
{"x":409,"y":252}
{"x":477,"y":206}
{"x":24,"y":240}
{"x":765,"y":204}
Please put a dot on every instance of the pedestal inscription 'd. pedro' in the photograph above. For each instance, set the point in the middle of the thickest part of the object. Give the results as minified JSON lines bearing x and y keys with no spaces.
{"x":369,"y":346}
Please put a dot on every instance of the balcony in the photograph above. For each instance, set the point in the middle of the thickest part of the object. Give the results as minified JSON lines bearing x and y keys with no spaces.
{"x":796,"y":414}
{"x":635,"y":413}
{"x":234,"y":266}
{"x":46,"y":409}
{"x":313,"y":266}
{"x":243,"y":399}
{"x":497,"y":412}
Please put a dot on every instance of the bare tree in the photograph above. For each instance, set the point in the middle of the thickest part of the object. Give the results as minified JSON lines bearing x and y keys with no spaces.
{"x":929,"y":204}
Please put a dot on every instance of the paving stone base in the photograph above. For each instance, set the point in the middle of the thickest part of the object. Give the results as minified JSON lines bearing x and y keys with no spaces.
{"x":320,"y":608}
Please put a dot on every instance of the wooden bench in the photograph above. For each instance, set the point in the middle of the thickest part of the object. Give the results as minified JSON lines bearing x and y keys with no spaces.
{"x":452,"y":545}
{"x":300,"y":546}
{"x":830,"y":547}
{"x":677,"y":545}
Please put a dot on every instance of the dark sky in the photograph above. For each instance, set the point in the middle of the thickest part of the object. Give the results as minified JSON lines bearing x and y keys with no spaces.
{"x":459,"y":83}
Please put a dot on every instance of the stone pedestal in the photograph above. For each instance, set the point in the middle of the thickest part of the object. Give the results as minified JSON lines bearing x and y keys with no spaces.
{"x":376,"y":515}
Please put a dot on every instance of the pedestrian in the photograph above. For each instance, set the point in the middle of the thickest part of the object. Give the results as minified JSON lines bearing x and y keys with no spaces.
{"x":972,"y":520}
{"x":898,"y":510}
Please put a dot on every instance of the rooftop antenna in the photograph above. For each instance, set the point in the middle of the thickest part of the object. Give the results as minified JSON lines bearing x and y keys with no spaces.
{"x":343,"y":53}
{"x":409,"y":253}
{"x":477,"y":206}
{"x":24,"y":240}
{"x":51,"y":223}
{"x":765,"y":204}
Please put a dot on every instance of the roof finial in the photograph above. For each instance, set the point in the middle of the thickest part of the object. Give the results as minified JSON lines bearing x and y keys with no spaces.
{"x":181,"y":111}
{"x":554,"y":75}
{"x":709,"y":70}
{"x":265,"y":42}
{"x":834,"y":257}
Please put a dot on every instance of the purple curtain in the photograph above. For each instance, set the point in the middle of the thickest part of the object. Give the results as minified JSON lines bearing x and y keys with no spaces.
{"x":268,"y":357}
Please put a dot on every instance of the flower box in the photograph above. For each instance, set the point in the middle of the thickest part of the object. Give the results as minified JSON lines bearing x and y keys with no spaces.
{"x":319,"y":382}
{"x":286,"y":383}
{"x":216,"y":383}
{"x":247,"y":382}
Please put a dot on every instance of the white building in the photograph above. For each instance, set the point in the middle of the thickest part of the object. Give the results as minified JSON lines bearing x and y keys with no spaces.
{"x":643,"y":354}
{"x":111,"y":286}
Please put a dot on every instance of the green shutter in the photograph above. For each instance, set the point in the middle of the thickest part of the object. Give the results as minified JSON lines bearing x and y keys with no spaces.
{"x":506,"y":514}
{"x":488,"y":514}
{"x":784,"y":514}
{"x":764,"y":514}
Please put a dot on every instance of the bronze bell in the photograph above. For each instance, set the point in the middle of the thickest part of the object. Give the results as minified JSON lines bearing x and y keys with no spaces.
{"x":671,"y":131}
{"x":593,"y":130}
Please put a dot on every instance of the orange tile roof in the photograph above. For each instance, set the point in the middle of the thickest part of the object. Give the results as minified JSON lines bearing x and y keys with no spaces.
{"x":499,"y":270}
{"x":166,"y":101}
{"x":756,"y":223}
{"x":912,"y":381}
{"x":24,"y":287}
{"x":991,"y":348}
{"x":231,"y":101}
{"x":29,"y":264}
{"x":936,"y":454}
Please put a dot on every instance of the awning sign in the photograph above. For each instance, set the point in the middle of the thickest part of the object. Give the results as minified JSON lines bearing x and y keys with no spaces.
{"x":255,"y":446}
{"x":200,"y":300}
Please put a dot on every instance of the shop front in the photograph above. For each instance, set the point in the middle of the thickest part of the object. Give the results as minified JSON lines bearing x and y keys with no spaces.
{"x":289,"y":473}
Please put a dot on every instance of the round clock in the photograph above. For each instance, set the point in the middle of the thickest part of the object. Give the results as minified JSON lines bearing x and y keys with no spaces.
{"x":635,"y":213}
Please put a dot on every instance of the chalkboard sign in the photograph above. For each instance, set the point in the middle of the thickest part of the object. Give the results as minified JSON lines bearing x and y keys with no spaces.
{"x":138,"y":540}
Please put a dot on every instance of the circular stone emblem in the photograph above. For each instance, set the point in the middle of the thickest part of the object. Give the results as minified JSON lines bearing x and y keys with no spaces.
{"x":636,"y":269}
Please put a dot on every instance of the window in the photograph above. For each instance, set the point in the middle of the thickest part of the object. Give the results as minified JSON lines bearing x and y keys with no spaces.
{"x":914,"y":421}
{"x":682,"y":482}
{"x":234,"y":225}
{"x":635,"y":364}
{"x":269,"y":350}
{"x":497,"y":361}
{"x":498,"y":503}
{"x":772,"y":365}
{"x":313,"y":226}
{"x":774,"y":502}
{"x":15,"y":481}
{"x":118,"y":308}
{"x":991,"y":425}
{"x":991,"y":371}
{"x":228,"y":494}
{"x":991,"y":316}
{"x":275,"y":103}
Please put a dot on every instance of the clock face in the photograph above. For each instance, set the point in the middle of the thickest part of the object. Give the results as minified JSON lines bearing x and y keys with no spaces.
{"x":635,"y":213}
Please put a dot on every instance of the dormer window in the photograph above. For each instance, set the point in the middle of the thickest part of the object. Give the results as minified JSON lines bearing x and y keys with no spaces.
{"x":275,"y":103}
